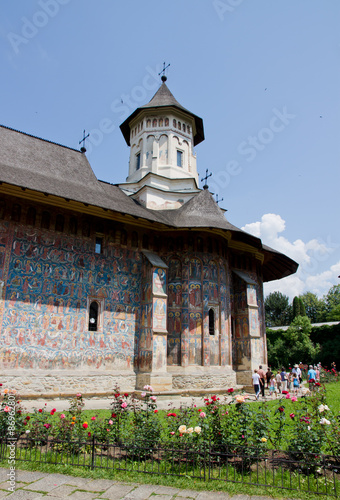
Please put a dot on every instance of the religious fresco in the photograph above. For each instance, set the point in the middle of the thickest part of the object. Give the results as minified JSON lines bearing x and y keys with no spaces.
{"x":144,"y":337}
{"x":159,"y":281}
{"x":159,"y":315}
{"x":175,"y":302}
{"x":49,"y":278}
{"x":254,"y":322}
{"x":159,"y":353}
{"x":251,"y":295}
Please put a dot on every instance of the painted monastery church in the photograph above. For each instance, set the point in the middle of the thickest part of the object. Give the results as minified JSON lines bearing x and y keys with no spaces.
{"x":145,"y":282}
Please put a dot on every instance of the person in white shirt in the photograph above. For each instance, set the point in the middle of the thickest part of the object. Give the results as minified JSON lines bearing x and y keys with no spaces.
{"x":256,"y":383}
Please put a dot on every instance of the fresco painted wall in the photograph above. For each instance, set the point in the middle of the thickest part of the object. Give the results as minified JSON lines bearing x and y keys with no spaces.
{"x":197,"y":284}
{"x":49,"y":277}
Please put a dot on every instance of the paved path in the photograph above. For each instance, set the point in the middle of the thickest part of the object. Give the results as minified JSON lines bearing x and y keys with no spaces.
{"x":35,"y":485}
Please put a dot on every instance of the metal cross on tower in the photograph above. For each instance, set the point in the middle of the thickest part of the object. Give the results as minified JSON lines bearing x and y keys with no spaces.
{"x":218,"y":200}
{"x":163,"y":77}
{"x":83,"y":148}
{"x":206,"y":178}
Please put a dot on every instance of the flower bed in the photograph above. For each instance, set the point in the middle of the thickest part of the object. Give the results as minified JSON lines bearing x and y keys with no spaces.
{"x":302,"y":426}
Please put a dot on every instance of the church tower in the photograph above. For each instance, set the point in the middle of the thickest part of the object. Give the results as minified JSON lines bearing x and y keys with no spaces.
{"x":162,"y":166}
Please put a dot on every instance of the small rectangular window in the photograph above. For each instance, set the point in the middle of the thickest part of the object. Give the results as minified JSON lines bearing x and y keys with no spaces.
{"x":179,"y":158}
{"x":138,"y":161}
{"x":99,"y":245}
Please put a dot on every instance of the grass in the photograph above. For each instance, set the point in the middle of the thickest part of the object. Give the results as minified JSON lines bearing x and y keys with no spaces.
{"x":187,"y":482}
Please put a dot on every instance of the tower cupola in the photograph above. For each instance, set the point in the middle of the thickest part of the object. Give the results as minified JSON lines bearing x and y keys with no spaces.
{"x":162,"y":166}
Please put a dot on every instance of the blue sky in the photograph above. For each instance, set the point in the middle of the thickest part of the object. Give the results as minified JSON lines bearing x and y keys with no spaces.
{"x":263,"y":75}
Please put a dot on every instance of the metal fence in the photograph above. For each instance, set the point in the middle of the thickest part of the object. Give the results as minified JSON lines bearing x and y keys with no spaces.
{"x":302,"y":472}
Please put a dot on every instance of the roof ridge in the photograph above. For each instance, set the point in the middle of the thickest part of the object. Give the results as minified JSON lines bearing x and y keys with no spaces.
{"x":40,"y":138}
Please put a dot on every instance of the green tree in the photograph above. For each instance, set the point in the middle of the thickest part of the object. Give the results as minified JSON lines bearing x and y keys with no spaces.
{"x":315,"y":307}
{"x":277,"y":309}
{"x":298,"y":342}
{"x":332,"y":300}
{"x":298,"y":307}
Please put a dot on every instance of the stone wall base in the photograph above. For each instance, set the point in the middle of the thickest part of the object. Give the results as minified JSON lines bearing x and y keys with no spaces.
{"x":50,"y":385}
{"x":203,"y":378}
{"x":159,"y":381}
{"x":244,"y":378}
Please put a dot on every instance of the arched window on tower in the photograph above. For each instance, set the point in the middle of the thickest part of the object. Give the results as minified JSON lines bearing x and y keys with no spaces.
{"x":154,"y":122}
{"x":93,"y":316}
{"x":211,"y":322}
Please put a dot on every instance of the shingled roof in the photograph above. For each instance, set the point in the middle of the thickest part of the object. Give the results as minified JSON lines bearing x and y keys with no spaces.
{"x":50,"y":168}
{"x":164,"y":98}
{"x":33,"y":163}
{"x":203,"y":211}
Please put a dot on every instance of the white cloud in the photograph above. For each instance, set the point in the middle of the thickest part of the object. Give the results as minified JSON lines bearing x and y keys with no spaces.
{"x":311,"y":257}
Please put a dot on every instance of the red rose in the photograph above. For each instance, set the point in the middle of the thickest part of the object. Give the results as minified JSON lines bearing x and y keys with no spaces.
{"x":230,"y":390}
{"x":155,"y":411}
{"x":85,"y":425}
{"x":40,"y":411}
{"x":28,"y":417}
{"x":89,"y":434}
{"x":126,"y":395}
{"x":281,"y":409}
{"x":113,"y":415}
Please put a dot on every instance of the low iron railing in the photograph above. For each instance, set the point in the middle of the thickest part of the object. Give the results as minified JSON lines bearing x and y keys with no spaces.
{"x":303,"y":472}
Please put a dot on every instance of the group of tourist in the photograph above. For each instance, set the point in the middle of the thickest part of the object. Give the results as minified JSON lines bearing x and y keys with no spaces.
{"x":284,"y":380}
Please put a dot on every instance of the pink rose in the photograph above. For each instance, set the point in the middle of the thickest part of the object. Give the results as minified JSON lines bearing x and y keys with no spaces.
{"x":78,"y":395}
{"x":62,"y":415}
{"x":124,"y":405}
{"x":202,"y":414}
{"x":93,"y":418}
{"x":110,"y":422}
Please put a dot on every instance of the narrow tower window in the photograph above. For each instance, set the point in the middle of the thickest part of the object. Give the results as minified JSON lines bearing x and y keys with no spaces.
{"x":93,"y":316}
{"x":179,"y":158}
{"x":211,"y":322}
{"x":138,"y":161}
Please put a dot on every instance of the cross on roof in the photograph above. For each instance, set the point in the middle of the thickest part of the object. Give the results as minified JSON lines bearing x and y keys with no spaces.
{"x":218,"y":200}
{"x":83,"y":148}
{"x":163,"y":77}
{"x":206,"y":178}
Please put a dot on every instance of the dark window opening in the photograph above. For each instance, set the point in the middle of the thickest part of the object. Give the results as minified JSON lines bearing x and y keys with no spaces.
{"x":99,"y":245}
{"x":16,"y":212}
{"x":93,"y":316}
{"x":123,"y":237}
{"x":145,"y":241}
{"x":45,"y":220}
{"x":30,"y":217}
{"x":138,"y":161}
{"x":73,"y":225}
{"x":59,"y":223}
{"x":134,"y":239}
{"x":211,"y":322}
